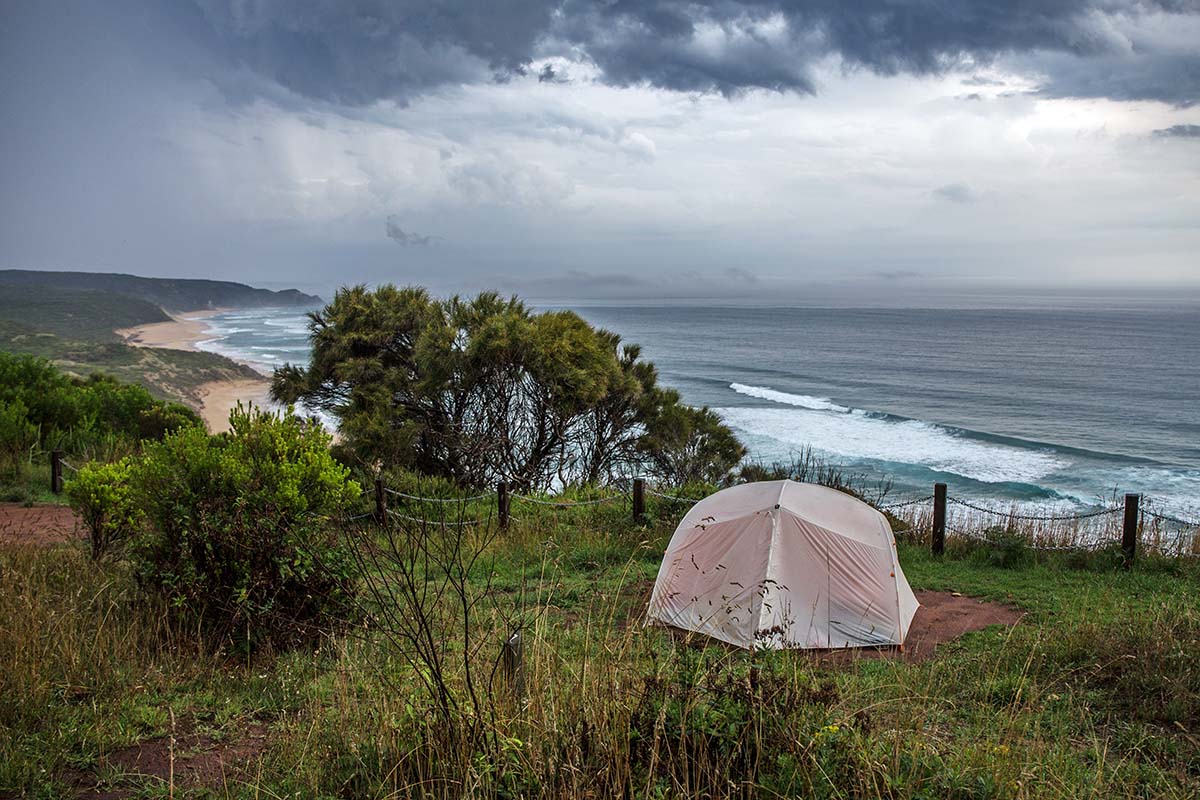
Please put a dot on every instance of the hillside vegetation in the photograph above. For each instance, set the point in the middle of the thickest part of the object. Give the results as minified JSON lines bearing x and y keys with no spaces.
{"x":74,"y":328}
{"x":174,"y":294}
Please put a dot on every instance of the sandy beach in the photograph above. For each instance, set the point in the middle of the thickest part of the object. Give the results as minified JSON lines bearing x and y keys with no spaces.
{"x":217,"y":398}
{"x":181,"y":333}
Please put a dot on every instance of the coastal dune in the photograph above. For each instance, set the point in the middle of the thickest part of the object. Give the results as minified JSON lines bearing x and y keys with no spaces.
{"x":216,"y":398}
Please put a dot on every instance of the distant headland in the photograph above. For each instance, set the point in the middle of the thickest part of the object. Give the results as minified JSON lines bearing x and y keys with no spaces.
{"x":172,"y":294}
{"x":134,"y":328}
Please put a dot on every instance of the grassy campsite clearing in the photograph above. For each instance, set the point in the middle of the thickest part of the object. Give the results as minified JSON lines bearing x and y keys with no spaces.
{"x":1095,"y":693}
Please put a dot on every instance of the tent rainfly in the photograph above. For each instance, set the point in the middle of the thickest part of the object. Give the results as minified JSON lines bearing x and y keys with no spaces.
{"x":778,"y":564}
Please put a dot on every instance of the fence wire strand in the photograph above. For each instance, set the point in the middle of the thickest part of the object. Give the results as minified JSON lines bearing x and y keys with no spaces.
{"x":421,"y":521}
{"x":1168,"y":518}
{"x":438,"y":499}
{"x":1034,"y":517}
{"x":673,"y":497}
{"x":905,"y":503}
{"x":565,"y":503}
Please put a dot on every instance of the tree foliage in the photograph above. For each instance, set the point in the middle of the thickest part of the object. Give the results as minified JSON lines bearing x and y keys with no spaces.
{"x":484,"y":389}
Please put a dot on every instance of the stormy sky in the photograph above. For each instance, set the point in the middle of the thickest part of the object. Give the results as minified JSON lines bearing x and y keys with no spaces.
{"x":759,"y":149}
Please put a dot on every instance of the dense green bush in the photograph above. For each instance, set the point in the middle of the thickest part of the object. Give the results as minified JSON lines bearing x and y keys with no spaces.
{"x":41,"y":408}
{"x":18,"y":435}
{"x":103,"y":496}
{"x":482,"y":390}
{"x":239,"y":524}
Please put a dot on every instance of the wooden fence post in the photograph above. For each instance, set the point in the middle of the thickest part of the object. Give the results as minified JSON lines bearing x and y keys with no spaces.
{"x":639,"y":498}
{"x":514,"y":664}
{"x":938,"y":544}
{"x":380,"y":502}
{"x":56,"y":475}
{"x":502,"y":503}
{"x":1129,"y":530}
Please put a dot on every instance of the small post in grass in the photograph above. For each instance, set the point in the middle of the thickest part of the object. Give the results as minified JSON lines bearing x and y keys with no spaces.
{"x":56,"y":475}
{"x":380,"y":501}
{"x":502,"y":503}
{"x":1129,"y":530}
{"x":514,"y":664}
{"x":639,"y":498}
{"x":938,"y":545}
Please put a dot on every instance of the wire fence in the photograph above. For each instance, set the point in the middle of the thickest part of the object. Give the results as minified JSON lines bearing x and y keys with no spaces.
{"x":1051,"y":531}
{"x":955,"y":517}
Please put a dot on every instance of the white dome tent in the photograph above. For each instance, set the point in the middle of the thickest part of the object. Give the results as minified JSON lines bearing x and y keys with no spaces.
{"x":779,"y":564}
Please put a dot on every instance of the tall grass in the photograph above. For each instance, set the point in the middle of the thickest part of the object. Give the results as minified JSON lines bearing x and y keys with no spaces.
{"x":613,"y":709}
{"x":76,"y":642}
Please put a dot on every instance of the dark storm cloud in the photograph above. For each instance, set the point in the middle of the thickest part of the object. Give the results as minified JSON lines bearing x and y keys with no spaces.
{"x":358,"y":52}
{"x":1179,"y":132}
{"x":404,"y":238}
{"x":550,"y":75}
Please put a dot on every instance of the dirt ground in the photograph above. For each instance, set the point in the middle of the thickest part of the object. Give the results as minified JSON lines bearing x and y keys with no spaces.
{"x":37,"y":524}
{"x":188,"y":761}
{"x":945,"y":616}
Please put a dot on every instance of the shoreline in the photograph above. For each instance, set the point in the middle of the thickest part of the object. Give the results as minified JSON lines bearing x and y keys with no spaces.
{"x":183,"y":332}
{"x":180,"y":333}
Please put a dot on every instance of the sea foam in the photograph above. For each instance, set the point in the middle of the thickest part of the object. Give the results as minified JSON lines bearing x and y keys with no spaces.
{"x":800,"y":400}
{"x":856,"y":434}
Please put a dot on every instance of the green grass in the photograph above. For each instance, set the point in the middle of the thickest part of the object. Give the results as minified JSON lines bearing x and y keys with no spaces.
{"x":1095,"y":694}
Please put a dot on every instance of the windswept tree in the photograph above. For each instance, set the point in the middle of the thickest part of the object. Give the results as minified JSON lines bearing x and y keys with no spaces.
{"x":483,"y":389}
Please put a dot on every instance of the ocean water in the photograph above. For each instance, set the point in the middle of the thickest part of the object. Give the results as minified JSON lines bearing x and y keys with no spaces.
{"x":1045,"y":407}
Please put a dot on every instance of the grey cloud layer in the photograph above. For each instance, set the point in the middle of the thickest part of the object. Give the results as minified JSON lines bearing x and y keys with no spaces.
{"x":405,"y":238}
{"x":357,"y":52}
{"x":1179,"y":132}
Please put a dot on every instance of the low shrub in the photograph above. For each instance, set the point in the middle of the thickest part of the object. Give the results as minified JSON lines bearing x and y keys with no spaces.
{"x":103,"y":496}
{"x":239,"y":527}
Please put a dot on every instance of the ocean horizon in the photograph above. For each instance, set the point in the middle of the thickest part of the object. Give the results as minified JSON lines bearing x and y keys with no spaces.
{"x":1040,"y":406}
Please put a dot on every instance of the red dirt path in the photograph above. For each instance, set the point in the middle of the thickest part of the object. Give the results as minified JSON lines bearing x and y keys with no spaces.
{"x":191,"y":761}
{"x":945,"y":616}
{"x":37,"y":524}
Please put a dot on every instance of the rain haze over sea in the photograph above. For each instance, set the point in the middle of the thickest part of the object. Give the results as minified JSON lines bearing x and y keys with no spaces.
{"x":1044,"y":406}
